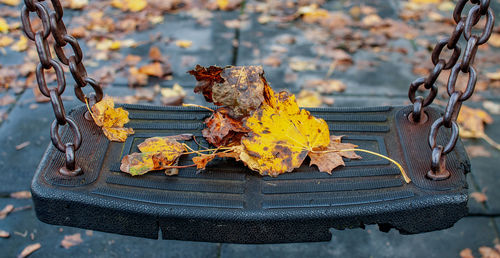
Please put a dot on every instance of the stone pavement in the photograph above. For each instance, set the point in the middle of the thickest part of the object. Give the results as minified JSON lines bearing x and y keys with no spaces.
{"x":385,"y":85}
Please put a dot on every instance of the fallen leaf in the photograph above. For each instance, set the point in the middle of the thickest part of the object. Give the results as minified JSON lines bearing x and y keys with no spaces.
{"x":11,"y":2}
{"x":6,"y":210}
{"x":155,"y":54}
{"x":154,"y":69}
{"x":495,"y":76}
{"x":78,"y":4}
{"x":325,"y":86}
{"x":466,"y":253}
{"x":111,"y":120}
{"x":184,"y":43}
{"x":71,"y":240}
{"x":479,"y":197}
{"x":173,"y":96}
{"x":308,"y":98}
{"x":21,"y":195}
{"x":157,"y":153}
{"x":281,"y":136}
{"x":130,"y":5}
{"x":29,"y":250}
{"x":492,"y":107}
{"x":202,"y":161}
{"x":223,"y":130}
{"x":472,"y":121}
{"x":488,"y":252}
{"x":22,"y":145}
{"x":494,"y":40}
{"x":5,"y":41}
{"x":4,"y":234}
{"x":477,"y":151}
{"x":20,"y":45}
{"x":135,"y":78}
{"x":239,"y":88}
{"x":328,"y":161}
{"x":302,"y":65}
{"x":7,"y":100}
{"x":206,"y":78}
{"x":4,"y":26}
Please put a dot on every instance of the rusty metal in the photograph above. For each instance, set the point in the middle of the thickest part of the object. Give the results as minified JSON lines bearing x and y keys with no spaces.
{"x":464,"y":26}
{"x":52,"y":24}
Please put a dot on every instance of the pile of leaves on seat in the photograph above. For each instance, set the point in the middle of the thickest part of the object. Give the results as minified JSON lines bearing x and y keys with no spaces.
{"x":266,"y":130}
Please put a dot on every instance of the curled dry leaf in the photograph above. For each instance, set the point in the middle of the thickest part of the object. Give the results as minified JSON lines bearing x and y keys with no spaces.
{"x":466,"y":253}
{"x":223,"y":130}
{"x":6,"y":210}
{"x":157,"y":153}
{"x":328,"y":158}
{"x":488,"y":252}
{"x":239,"y":88}
{"x":111,"y":120}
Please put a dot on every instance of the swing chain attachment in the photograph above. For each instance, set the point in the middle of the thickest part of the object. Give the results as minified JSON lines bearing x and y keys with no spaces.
{"x":53,"y":24}
{"x":464,"y":25}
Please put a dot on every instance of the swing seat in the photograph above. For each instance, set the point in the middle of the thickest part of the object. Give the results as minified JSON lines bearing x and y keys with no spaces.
{"x":229,"y":203}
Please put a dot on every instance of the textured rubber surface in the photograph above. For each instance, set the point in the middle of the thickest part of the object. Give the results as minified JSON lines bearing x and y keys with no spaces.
{"x":229,"y":203}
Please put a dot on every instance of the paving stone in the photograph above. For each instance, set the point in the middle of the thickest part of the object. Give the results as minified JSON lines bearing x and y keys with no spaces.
{"x":390,"y":76}
{"x":95,"y":244}
{"x":467,"y":233}
{"x":211,"y":45}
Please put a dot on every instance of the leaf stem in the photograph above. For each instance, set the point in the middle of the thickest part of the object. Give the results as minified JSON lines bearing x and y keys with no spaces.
{"x":198,"y":106}
{"x":490,"y":141}
{"x":403,"y":173}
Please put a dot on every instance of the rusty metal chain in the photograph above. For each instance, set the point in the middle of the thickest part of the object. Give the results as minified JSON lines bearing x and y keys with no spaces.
{"x":464,"y":25}
{"x":52,"y":24}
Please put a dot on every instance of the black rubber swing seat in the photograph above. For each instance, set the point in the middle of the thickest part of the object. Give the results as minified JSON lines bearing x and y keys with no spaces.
{"x":229,"y":203}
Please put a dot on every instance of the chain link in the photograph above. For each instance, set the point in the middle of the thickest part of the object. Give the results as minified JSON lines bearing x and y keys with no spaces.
{"x":464,"y":26}
{"x":52,"y":24}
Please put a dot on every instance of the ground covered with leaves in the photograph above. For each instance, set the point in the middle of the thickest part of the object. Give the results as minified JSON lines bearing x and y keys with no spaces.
{"x":327,"y":53}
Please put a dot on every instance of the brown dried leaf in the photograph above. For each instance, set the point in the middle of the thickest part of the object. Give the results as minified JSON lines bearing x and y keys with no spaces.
{"x":479,"y":197}
{"x":22,"y":145}
{"x":488,"y":252}
{"x":29,"y":250}
{"x":326,"y":86}
{"x":206,"y":78}
{"x":4,"y":234}
{"x":21,"y":195}
{"x":71,"y":240}
{"x":466,"y":253}
{"x":328,"y":161}
{"x":223,"y":130}
{"x":239,"y":88}
{"x":477,"y":151}
{"x":6,"y":210}
{"x":202,"y":161}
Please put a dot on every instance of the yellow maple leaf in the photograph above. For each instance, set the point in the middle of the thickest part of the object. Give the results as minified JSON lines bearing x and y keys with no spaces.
{"x":111,"y":120}
{"x":282,"y":135}
{"x":471,"y":122}
{"x":222,"y":4}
